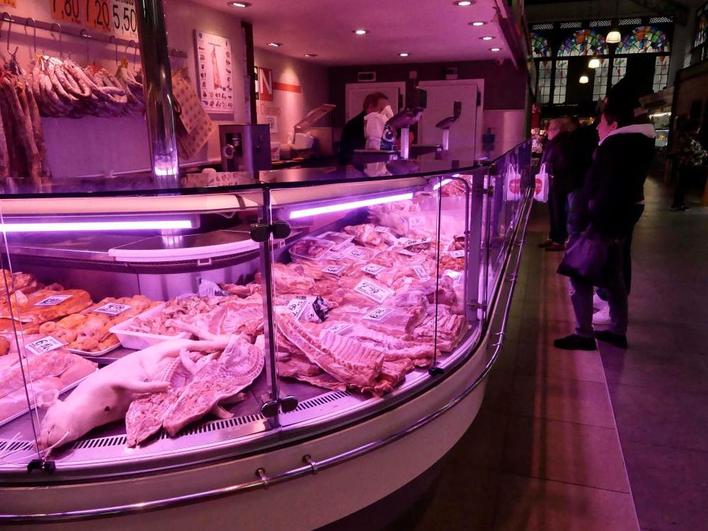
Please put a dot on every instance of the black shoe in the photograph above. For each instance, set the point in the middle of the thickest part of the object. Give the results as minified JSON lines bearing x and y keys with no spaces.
{"x":617,"y":340}
{"x":575,"y":342}
{"x":545,"y":244}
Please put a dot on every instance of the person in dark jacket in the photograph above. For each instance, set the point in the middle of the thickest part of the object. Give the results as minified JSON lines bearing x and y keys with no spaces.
{"x":583,"y":142}
{"x":353,"y":136}
{"x":558,"y":159}
{"x":690,"y":159}
{"x":608,"y":206}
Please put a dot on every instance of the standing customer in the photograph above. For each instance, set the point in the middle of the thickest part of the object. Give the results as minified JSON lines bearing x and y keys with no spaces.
{"x":354,"y":135}
{"x":558,"y":159}
{"x":607,"y":207}
{"x":690,"y":158}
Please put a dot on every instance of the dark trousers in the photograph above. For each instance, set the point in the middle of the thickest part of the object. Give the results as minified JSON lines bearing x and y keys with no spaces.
{"x":558,"y":212}
{"x":637,"y":211}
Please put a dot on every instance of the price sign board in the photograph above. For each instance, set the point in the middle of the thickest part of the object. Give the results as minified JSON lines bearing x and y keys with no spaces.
{"x":69,"y":11}
{"x":117,"y":17}
{"x":11,"y":3}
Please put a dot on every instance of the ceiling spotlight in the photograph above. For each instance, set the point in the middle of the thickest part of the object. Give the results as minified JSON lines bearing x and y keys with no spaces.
{"x":477,"y":23}
{"x":275,"y":44}
{"x":495,"y":49}
{"x":310,"y":55}
{"x":404,"y":54}
{"x":238,"y":4}
{"x":594,"y":63}
{"x":487,"y":38}
{"x":361,"y":31}
{"x":584,"y":80}
{"x":463,"y":3}
{"x":613,"y":37}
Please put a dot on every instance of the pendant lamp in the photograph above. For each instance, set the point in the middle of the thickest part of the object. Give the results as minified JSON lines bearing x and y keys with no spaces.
{"x":614,"y":36}
{"x":584,"y":80}
{"x":594,"y":63}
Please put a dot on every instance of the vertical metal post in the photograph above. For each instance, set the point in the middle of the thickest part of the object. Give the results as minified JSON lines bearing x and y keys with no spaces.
{"x":405,"y":142}
{"x":157,"y":86}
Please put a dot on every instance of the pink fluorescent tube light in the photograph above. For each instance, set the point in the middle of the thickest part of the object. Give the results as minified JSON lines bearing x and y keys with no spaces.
{"x":349,"y":205}
{"x":93,"y":226}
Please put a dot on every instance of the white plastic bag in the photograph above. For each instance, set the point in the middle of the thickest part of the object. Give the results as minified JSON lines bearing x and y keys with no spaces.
{"x":540,"y":192}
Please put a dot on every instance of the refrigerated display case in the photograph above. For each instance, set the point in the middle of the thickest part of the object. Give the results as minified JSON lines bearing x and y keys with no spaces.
{"x":199,"y":343}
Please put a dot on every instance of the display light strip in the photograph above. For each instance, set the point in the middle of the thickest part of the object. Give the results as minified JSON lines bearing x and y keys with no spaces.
{"x":349,"y":205}
{"x":95,"y":226}
{"x":441,"y":184}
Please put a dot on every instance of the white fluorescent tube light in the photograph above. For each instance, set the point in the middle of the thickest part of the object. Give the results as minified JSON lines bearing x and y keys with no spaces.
{"x":95,"y":226}
{"x":350,"y":205}
{"x":442,"y":183}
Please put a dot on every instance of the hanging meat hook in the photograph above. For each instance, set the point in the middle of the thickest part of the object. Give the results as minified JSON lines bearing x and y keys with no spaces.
{"x":30,"y":23}
{"x":112,"y":40}
{"x":86,"y":35}
{"x":9,"y":30}
{"x":59,"y":31}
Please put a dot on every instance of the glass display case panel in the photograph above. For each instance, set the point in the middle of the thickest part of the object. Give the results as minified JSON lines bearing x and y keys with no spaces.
{"x":149,"y":326}
{"x":372,"y":293}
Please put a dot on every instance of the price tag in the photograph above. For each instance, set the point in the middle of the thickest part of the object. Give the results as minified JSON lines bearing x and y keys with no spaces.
{"x":99,"y":15}
{"x":310,"y":309}
{"x":112,"y":309}
{"x":373,"y":291}
{"x":454,"y":275}
{"x":421,"y":272}
{"x":373,"y":269}
{"x":69,"y":10}
{"x":52,"y":300}
{"x":379,"y":314}
{"x":46,"y":344}
{"x":334,"y":269}
{"x":457,"y":254}
{"x":124,"y":19}
{"x":339,"y":328}
{"x":357,"y":253}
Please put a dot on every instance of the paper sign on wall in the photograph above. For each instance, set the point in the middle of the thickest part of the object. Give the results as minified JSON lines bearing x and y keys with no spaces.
{"x":215,"y":67}
{"x":265,"y":84}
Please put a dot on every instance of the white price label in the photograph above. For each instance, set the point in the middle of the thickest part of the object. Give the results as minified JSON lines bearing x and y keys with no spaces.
{"x":421,"y":272}
{"x":112,"y":309}
{"x":52,"y":300}
{"x":373,"y":291}
{"x":296,"y":305}
{"x":373,"y":269}
{"x":416,"y":221}
{"x":378,"y":314}
{"x":457,"y":254}
{"x":410,"y":242}
{"x":452,"y":274}
{"x":334,"y":269}
{"x":45,"y":344}
{"x":339,"y":328}
{"x":357,"y":253}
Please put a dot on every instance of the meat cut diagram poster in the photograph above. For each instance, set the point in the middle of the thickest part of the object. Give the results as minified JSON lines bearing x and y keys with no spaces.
{"x":215,"y":68}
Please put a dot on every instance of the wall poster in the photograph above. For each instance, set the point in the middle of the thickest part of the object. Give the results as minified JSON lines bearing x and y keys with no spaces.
{"x":214,"y":67}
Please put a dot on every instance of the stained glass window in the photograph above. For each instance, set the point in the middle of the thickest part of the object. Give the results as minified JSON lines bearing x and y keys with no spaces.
{"x":583,"y":42}
{"x":644,"y":39}
{"x":661,"y":72}
{"x":560,"y":81}
{"x":701,"y":35}
{"x":539,"y":45}
{"x":599,"y":88}
{"x":619,"y":68}
{"x":543,"y":92}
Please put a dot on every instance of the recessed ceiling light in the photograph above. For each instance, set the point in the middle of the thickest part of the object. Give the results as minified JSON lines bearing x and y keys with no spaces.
{"x":463,"y":3}
{"x":275,"y":44}
{"x":361,"y":31}
{"x":477,"y":23}
{"x":404,"y":54}
{"x":310,"y":55}
{"x":495,"y":49}
{"x":487,"y":38}
{"x":238,"y":4}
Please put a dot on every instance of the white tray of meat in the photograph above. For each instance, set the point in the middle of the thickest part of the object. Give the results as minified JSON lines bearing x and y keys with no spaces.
{"x":310,"y":248}
{"x":130,"y":335}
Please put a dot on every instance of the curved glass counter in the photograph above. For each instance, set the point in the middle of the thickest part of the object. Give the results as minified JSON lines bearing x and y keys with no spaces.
{"x":145,"y":328}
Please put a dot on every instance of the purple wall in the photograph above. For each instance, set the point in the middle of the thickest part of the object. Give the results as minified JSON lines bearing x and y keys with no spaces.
{"x":504,"y":85}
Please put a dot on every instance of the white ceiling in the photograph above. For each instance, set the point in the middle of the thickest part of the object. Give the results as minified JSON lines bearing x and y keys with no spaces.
{"x":430,"y":30}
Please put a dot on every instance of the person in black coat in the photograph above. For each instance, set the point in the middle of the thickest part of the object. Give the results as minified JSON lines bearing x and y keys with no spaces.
{"x":558,"y":159}
{"x":353,"y":136}
{"x":608,"y":206}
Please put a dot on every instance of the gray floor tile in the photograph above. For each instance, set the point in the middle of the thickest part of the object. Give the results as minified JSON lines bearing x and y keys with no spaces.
{"x":564,"y":451}
{"x":562,"y":399}
{"x":671,"y":418}
{"x":670,"y":486}
{"x":527,"y":504}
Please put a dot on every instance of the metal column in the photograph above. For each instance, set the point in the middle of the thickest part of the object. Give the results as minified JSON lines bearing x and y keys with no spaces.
{"x":157,"y":85}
